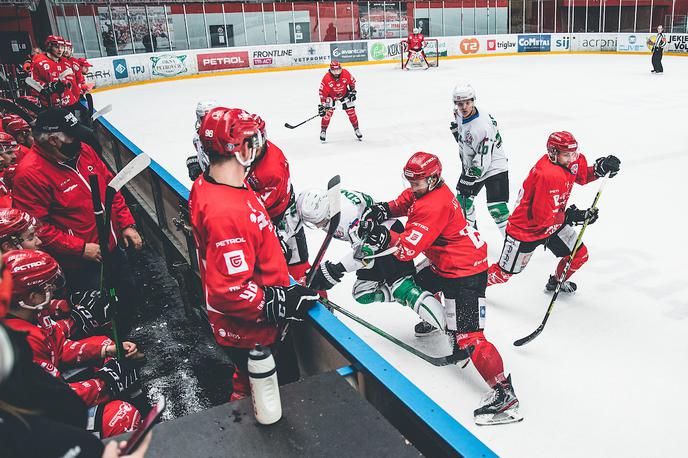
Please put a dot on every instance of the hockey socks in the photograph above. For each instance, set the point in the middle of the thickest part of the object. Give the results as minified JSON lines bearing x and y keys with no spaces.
{"x":500,"y":214}
{"x":485,"y":357}
{"x":580,"y":259}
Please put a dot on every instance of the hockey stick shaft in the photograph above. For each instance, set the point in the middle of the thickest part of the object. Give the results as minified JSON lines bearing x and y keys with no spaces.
{"x":290,"y":126}
{"x":103,"y":240}
{"x":103,"y":111}
{"x":434,"y":360}
{"x":579,"y":242}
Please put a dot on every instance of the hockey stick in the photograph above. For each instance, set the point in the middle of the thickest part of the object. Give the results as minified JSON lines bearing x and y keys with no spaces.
{"x":11,"y":106}
{"x":290,"y":126}
{"x":333,"y":196}
{"x":91,"y":107}
{"x":455,"y":357}
{"x":103,"y":111}
{"x":579,"y":242}
{"x":102,"y":216}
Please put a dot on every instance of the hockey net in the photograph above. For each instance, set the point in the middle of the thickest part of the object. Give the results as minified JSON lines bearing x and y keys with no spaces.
{"x":431,"y":47}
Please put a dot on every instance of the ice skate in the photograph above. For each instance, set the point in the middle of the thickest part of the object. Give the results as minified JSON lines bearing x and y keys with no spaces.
{"x":358,"y":133}
{"x":498,"y":407}
{"x":424,"y":329}
{"x":323,"y":135}
{"x":566,"y":286}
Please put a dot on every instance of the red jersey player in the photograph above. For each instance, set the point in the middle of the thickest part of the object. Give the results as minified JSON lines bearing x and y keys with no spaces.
{"x":337,"y":86}
{"x":541,"y":216}
{"x":415,"y":43}
{"x":48,"y":71}
{"x":244,"y":274}
{"x":35,"y":276}
{"x":457,"y":268}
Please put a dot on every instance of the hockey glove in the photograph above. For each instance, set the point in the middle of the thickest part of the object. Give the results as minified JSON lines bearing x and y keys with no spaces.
{"x":378,"y":212}
{"x":610,"y":164}
{"x":322,"y":110}
{"x":120,"y":377}
{"x":85,"y":324}
{"x":284,"y":303}
{"x":454,"y":128}
{"x":351,"y":95}
{"x":327,"y":275}
{"x":56,"y":87}
{"x":576,"y":216}
{"x":465,"y":185}
{"x":193,"y":167}
{"x":286,"y":251}
{"x":97,"y":305}
{"x":375,"y":235}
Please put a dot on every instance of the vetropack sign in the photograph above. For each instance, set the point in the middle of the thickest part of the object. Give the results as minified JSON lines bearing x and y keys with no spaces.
{"x":677,"y":43}
{"x":222,"y":61}
{"x":534,"y":43}
{"x":168,"y":65}
{"x":354,"y":51}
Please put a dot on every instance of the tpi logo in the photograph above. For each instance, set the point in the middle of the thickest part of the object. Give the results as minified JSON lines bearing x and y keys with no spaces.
{"x":563,"y":43}
{"x":120,"y":66}
{"x":534,"y":43}
{"x":469,"y":46}
{"x":138,"y":69}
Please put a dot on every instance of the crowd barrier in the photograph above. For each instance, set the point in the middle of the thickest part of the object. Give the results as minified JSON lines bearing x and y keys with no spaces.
{"x":113,"y":71}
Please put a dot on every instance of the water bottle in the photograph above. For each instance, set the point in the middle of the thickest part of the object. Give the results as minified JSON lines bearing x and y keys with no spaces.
{"x":262,"y":375}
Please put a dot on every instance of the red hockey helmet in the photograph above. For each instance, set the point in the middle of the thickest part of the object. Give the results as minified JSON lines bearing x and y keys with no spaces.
{"x":13,"y":223}
{"x":31,"y":99}
{"x":52,"y":40}
{"x":15,"y":125}
{"x":335,"y":65}
{"x":8,"y":142}
{"x":33,"y":270}
{"x":68,"y":44}
{"x":424,"y":166}
{"x":223,"y":131}
{"x":562,"y":142}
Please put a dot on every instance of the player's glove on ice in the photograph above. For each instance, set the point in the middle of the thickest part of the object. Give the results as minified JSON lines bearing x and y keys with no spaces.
{"x":374,"y":235}
{"x":576,"y":216}
{"x":327,"y":275}
{"x":120,"y":377}
{"x":378,"y":212}
{"x":465,"y":185}
{"x":193,"y":167}
{"x":283,"y":303}
{"x":454,"y":128}
{"x":610,"y":164}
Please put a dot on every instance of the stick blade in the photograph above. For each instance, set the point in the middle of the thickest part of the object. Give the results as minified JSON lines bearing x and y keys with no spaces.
{"x":288,"y":126}
{"x":133,"y":168}
{"x":529,"y":337}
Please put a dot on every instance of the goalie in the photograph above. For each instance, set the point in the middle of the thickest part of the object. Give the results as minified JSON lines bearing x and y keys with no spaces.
{"x":414,"y":44}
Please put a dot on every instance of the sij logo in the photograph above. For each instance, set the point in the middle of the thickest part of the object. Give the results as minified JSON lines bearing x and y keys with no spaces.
{"x":236,"y":262}
{"x":469,"y":45}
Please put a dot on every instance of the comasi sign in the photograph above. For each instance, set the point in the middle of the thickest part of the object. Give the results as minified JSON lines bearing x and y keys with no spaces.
{"x":534,"y":43}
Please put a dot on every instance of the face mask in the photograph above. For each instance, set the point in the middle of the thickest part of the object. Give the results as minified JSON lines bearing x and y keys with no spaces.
{"x":71,"y":150}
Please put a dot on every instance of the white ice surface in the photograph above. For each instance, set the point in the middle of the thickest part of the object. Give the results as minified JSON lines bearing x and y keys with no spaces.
{"x":607,"y":376}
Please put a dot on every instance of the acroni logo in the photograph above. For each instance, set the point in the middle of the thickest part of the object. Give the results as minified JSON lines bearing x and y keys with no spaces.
{"x":534,"y":43}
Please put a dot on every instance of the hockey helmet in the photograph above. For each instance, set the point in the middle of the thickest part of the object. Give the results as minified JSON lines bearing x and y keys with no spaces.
{"x":202,"y":108}
{"x":33,"y":270}
{"x":335,"y":68}
{"x":13,"y":224}
{"x":52,"y":40}
{"x":313,"y":207}
{"x":426,"y":166}
{"x":562,"y":142}
{"x":223,"y":131}
{"x":8,"y":142}
{"x":14,"y":124}
{"x":463,"y":91}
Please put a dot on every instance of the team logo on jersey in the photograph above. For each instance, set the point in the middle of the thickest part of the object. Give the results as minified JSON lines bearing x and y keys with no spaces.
{"x":236,"y":262}
{"x":574,"y":169}
{"x":414,"y":237}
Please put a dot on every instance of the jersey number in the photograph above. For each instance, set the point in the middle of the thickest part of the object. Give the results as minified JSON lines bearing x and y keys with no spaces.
{"x":473,"y":236}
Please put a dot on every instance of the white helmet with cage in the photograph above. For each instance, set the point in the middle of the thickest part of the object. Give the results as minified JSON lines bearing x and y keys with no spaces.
{"x":313,"y":207}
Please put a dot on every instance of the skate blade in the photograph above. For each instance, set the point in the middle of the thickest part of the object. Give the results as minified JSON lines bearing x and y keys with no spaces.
{"x":427,"y":334}
{"x":501,"y":418}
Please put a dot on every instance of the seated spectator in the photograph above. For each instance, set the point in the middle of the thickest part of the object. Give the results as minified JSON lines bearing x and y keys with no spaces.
{"x":35,"y":277}
{"x":52,"y":184}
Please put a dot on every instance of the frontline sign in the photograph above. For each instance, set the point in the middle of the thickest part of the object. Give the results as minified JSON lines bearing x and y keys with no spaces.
{"x":222,"y":61}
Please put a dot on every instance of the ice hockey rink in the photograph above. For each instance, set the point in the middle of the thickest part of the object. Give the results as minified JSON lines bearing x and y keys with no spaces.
{"x":606,"y":376}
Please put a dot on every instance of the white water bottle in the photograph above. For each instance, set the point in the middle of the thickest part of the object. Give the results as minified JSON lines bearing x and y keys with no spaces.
{"x":262,"y":375}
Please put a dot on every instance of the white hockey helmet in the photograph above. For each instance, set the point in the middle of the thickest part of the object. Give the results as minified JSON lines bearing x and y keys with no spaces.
{"x":203,"y":107}
{"x":313,"y":207}
{"x":416,"y":30}
{"x":463,"y":91}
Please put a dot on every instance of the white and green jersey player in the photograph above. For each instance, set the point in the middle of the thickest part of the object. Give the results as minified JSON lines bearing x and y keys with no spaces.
{"x":483,"y":158}
{"x":312,"y":207}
